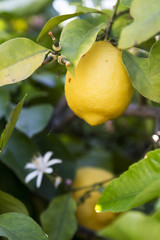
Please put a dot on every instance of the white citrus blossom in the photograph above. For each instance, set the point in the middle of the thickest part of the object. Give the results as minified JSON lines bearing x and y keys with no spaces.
{"x":40,"y":165}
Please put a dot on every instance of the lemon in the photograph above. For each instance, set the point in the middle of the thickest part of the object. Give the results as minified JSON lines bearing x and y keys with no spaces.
{"x":86,"y":214}
{"x":101,"y":89}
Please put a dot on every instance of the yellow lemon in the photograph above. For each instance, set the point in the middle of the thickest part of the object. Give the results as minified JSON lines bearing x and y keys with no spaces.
{"x":101,"y":89}
{"x":86,"y":214}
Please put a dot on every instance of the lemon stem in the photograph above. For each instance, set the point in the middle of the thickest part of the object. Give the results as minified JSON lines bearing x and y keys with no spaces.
{"x":108,"y":30}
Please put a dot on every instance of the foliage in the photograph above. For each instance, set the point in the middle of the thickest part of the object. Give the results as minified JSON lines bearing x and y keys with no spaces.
{"x":35,"y":119}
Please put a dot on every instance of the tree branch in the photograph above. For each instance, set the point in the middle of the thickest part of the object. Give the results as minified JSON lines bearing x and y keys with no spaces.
{"x":63,"y":115}
{"x":135,"y":110}
{"x":108,"y":30}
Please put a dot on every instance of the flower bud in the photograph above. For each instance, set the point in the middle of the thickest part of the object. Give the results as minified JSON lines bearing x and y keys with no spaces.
{"x":63,"y":61}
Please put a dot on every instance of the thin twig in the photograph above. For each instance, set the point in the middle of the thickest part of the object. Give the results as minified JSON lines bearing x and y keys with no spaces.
{"x":92,"y":186}
{"x":108,"y":30}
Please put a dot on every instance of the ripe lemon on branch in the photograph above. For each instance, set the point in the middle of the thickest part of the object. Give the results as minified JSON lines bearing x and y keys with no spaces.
{"x":86,"y":214}
{"x":101,"y":89}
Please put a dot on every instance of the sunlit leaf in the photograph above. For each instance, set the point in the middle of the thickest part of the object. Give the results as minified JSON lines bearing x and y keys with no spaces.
{"x":17,"y":226}
{"x":77,"y":38}
{"x":21,"y":57}
{"x":134,"y":187}
{"x":133,"y":225}
{"x":144,"y":73}
{"x":58,"y":19}
{"x":146,"y":23}
{"x":59,"y":220}
{"x":126,"y":3}
{"x":10,"y":125}
{"x":8,"y":203}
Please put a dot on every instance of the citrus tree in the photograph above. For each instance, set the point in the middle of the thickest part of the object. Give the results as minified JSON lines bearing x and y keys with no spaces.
{"x":89,"y":107}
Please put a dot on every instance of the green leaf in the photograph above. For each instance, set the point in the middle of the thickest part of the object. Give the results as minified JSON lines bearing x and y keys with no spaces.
{"x":134,"y":187}
{"x":118,"y":24}
{"x":133,"y":226}
{"x":21,"y":8}
{"x":53,"y":22}
{"x":21,"y":57}
{"x":146,"y":16}
{"x":34,"y":119}
{"x":8,"y":203}
{"x":59,"y":220}
{"x":4,"y":101}
{"x":126,"y":3}
{"x":10,"y":125}
{"x":144,"y":73}
{"x":17,"y":226}
{"x":154,"y":60}
{"x":76,"y":39}
{"x":19,"y":151}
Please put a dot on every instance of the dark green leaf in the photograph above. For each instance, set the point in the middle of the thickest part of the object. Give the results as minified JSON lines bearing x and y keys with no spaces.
{"x":144,"y":73}
{"x":17,"y":226}
{"x":8,"y":203}
{"x":34,"y":119}
{"x":134,"y":187}
{"x":10,"y":125}
{"x":18,"y":152}
{"x":77,"y":38}
{"x":59,"y":220}
{"x":58,"y":19}
{"x":146,"y":16}
{"x":133,"y":226}
{"x":21,"y":57}
{"x":4,"y":101}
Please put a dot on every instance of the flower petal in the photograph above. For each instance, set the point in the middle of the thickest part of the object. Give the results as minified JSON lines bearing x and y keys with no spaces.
{"x":48,"y":170}
{"x":30,"y":176}
{"x":30,"y":166}
{"x":54,"y":161}
{"x":47,"y":156}
{"x":39,"y":179}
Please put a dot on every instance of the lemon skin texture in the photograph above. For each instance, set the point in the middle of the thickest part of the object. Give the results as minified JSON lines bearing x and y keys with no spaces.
{"x":101,"y":89}
{"x":86,"y":214}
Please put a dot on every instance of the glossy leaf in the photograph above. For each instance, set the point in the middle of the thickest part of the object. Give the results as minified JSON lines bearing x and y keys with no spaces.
{"x":21,"y":57}
{"x":144,"y":73}
{"x":133,"y":225}
{"x":146,"y":16}
{"x":10,"y":125}
{"x":17,"y":226}
{"x":34,"y":119}
{"x":53,"y":22}
{"x":134,"y":187}
{"x":8,"y":203}
{"x":59,"y":220}
{"x":77,"y":37}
